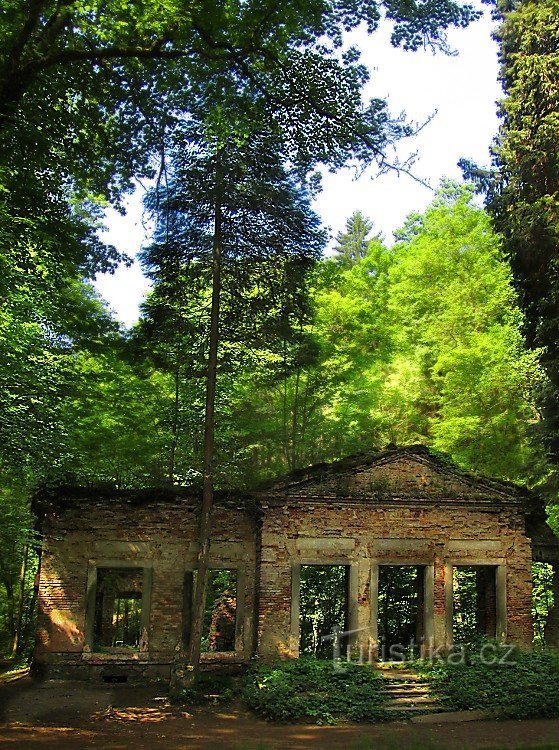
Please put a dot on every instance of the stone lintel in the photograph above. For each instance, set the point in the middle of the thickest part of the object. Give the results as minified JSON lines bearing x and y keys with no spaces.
{"x":330,"y":543}
{"x":110,"y":547}
{"x":475,"y":545}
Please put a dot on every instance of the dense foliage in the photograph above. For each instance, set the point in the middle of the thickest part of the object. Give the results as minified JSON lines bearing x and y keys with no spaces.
{"x":351,"y":245}
{"x":269,"y":240}
{"x":523,"y":189}
{"x":89,"y":96}
{"x":420,"y":342}
{"x":542,"y":598}
{"x":316,"y":691}
{"x":518,"y":684}
{"x":322,"y":607}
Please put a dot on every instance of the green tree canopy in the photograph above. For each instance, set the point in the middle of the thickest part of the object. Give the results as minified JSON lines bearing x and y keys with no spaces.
{"x":269,"y":241}
{"x":420,"y":342}
{"x":457,"y":325}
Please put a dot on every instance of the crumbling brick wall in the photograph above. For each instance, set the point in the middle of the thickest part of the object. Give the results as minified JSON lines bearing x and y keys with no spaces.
{"x":402,"y":508}
{"x":161,"y":534}
{"x":403,"y":512}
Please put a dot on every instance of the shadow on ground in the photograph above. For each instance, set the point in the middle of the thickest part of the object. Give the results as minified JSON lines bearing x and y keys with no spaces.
{"x":71,"y":714}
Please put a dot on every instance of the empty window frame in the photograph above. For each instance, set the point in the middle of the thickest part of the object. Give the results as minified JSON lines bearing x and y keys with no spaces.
{"x":220,"y":625}
{"x":542,"y":600}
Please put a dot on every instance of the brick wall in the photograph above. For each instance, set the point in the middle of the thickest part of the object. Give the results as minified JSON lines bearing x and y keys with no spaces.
{"x":302,"y":531}
{"x":404,"y":508}
{"x":161,"y":535}
{"x":404,"y":511}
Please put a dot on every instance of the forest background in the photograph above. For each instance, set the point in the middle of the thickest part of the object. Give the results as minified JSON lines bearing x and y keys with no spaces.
{"x":437,"y":339}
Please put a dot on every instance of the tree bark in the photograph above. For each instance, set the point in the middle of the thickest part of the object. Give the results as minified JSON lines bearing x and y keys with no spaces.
{"x":6,"y":580}
{"x":295,"y":421}
{"x":174,"y":427}
{"x":10,"y":601}
{"x":284,"y":405}
{"x":28,"y":628}
{"x":209,"y":436}
{"x":19,"y":624}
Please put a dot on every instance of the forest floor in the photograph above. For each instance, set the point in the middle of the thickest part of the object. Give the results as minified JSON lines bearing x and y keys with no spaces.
{"x":62,"y":714}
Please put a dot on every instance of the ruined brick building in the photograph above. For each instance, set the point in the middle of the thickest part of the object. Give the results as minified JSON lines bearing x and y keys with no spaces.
{"x":118,"y":567}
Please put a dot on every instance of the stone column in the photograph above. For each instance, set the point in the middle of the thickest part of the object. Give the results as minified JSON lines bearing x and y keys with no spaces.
{"x":362,"y":606}
{"x":501,"y":602}
{"x":421,"y":615}
{"x":353,"y":601}
{"x":441,"y":582}
{"x":90,"y":607}
{"x":428,"y":589}
{"x":373,"y":610}
{"x":294,"y":635}
{"x":448,"y":605}
{"x":147,"y":583}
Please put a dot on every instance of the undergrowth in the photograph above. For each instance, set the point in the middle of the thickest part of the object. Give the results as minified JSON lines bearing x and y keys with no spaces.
{"x":315,"y":691}
{"x":519,"y":684}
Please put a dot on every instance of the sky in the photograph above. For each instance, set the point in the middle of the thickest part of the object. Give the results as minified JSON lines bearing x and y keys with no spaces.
{"x":459,"y":91}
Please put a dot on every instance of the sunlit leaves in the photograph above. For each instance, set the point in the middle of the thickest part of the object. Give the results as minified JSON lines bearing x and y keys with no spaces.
{"x":418,"y":343}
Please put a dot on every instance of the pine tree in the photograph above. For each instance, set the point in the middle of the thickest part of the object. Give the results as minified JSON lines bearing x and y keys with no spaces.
{"x":351,"y":245}
{"x":237,"y":226}
{"x":524,"y":199}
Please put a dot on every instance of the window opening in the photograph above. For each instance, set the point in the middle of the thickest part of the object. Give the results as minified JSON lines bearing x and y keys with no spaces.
{"x":220,"y":611}
{"x":474,"y":613}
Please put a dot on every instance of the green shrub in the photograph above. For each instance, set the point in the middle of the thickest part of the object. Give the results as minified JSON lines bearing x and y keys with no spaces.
{"x":525,"y":685}
{"x":314,"y":690}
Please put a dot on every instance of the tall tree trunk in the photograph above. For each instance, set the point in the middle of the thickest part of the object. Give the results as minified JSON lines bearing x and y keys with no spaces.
{"x":6,"y":580}
{"x":19,"y":624}
{"x":386,"y":620}
{"x":304,"y":420}
{"x":174,"y":427}
{"x":28,"y":628}
{"x":209,"y":436}
{"x":285,"y":440}
{"x":295,"y":421}
{"x":11,"y":617}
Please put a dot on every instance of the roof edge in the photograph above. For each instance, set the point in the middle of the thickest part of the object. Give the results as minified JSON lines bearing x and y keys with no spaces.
{"x":352,"y":464}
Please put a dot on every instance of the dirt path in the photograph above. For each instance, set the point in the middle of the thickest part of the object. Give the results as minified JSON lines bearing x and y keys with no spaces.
{"x":80,"y":715}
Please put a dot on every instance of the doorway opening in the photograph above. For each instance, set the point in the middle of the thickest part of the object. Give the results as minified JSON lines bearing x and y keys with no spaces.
{"x":474,"y":598}
{"x":323,"y":608}
{"x":220,"y":611}
{"x":118,"y":608}
{"x":401,"y":611}
{"x":542,"y":600}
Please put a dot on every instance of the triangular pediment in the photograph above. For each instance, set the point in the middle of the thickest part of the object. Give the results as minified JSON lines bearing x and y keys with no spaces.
{"x":411,"y":472}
